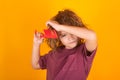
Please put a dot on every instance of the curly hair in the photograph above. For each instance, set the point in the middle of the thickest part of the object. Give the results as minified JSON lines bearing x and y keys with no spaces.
{"x":65,"y":17}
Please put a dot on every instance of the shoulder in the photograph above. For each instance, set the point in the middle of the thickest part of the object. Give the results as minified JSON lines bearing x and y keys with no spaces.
{"x":53,"y":52}
{"x":81,"y":46}
{"x":86,"y":52}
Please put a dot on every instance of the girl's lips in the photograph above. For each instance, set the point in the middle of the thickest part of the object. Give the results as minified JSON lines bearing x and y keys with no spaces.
{"x":72,"y":42}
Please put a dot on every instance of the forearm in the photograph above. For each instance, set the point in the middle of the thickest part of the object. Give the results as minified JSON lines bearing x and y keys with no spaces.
{"x":88,"y":35}
{"x":36,"y":56}
{"x":79,"y":31}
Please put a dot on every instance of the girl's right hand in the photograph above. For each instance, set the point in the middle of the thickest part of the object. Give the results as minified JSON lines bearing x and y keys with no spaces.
{"x":54,"y":24}
{"x":37,"y":39}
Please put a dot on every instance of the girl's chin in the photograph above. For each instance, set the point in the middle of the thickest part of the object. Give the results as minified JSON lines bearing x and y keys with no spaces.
{"x":70,"y":47}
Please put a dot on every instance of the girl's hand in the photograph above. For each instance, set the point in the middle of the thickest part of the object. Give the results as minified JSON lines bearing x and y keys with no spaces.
{"x":54,"y":24}
{"x":37,"y":39}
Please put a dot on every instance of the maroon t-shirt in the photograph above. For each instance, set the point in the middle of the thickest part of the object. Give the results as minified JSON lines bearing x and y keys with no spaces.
{"x":67,"y":64}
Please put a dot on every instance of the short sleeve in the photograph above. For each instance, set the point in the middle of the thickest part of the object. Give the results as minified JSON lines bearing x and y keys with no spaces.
{"x":89,"y":55}
{"x":88,"y":58}
{"x":43,"y":61}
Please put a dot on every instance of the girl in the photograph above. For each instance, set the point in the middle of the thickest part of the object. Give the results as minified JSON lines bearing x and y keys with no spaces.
{"x":72,"y":52}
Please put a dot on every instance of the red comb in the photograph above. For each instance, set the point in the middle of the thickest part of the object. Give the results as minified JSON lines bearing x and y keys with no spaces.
{"x":48,"y":34}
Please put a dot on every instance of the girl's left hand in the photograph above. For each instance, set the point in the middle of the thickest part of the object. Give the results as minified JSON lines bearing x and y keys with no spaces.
{"x":54,"y":24}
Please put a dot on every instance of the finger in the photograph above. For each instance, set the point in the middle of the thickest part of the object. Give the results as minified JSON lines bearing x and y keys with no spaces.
{"x":37,"y":34}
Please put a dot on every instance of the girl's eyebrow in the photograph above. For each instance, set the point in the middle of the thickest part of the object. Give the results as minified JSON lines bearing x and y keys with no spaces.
{"x":61,"y":33}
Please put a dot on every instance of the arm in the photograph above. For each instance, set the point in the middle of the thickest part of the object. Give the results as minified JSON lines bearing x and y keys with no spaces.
{"x":88,"y":35}
{"x":36,"y":51}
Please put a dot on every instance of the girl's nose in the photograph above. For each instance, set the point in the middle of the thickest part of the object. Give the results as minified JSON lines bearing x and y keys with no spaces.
{"x":70,"y":37}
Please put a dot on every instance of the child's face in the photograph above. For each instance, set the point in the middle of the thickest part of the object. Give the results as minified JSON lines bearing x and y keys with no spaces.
{"x":68,"y":40}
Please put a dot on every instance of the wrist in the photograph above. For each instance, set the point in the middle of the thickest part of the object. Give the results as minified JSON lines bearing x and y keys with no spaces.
{"x":36,"y":44}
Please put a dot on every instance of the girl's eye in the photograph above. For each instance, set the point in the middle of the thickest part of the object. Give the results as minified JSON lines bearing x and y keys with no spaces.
{"x":63,"y":35}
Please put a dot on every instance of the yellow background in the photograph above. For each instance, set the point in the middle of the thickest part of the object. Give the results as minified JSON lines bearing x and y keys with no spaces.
{"x":19,"y":19}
